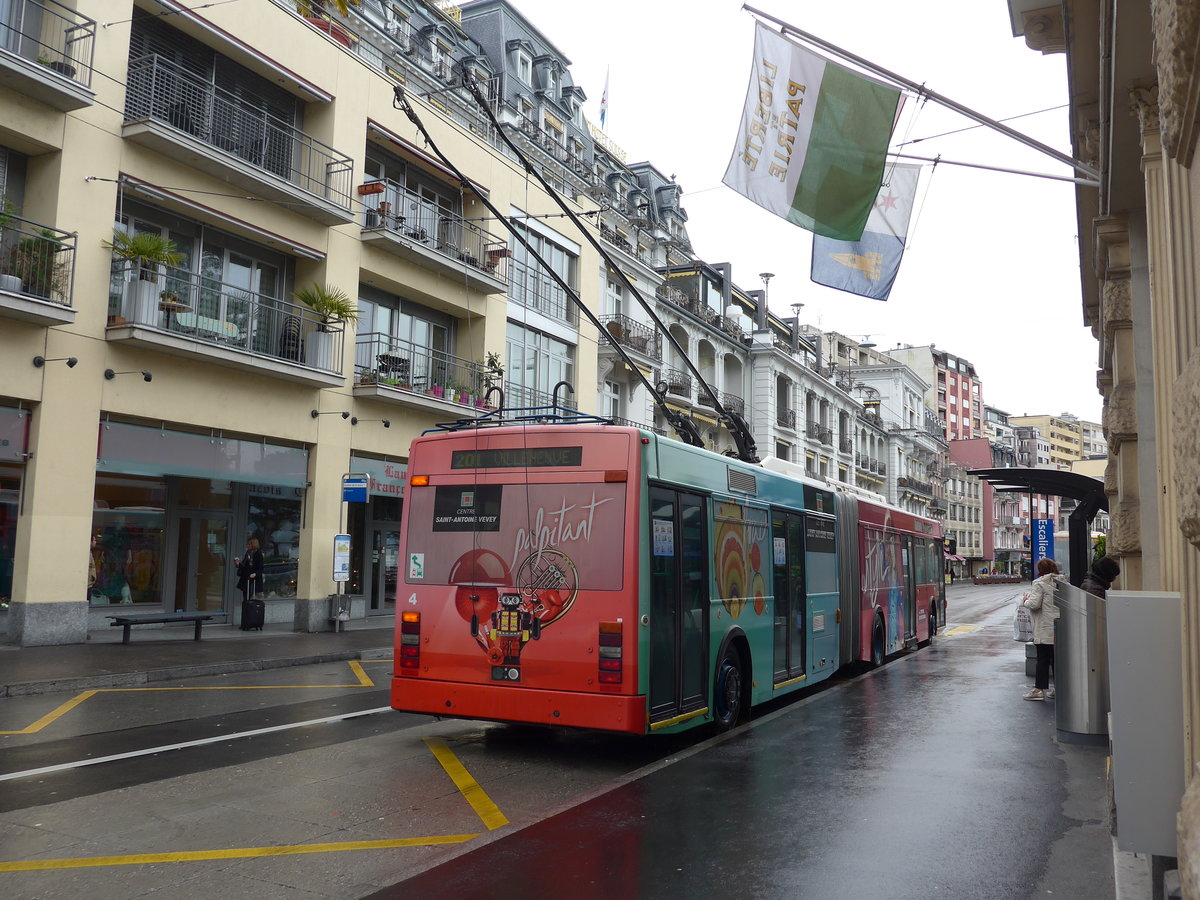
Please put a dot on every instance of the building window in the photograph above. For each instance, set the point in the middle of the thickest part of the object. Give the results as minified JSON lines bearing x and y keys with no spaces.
{"x":534,"y":364}
{"x":530,"y":285}
{"x":525,"y":69}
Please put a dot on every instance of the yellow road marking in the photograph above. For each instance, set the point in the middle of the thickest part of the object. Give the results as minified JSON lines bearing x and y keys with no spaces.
{"x":54,"y":715}
{"x":364,"y":680}
{"x":488,"y":811}
{"x":961,"y":629}
{"x":138,"y":859}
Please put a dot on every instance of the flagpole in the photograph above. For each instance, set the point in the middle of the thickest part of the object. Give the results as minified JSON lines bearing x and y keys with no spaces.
{"x":932,"y":95}
{"x":937,"y":160}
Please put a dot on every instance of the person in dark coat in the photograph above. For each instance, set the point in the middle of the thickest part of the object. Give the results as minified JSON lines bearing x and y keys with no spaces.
{"x":249,"y":570}
{"x":1100,"y":577}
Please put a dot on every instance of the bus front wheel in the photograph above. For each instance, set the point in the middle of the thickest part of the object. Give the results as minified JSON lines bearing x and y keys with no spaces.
{"x":727,"y":690}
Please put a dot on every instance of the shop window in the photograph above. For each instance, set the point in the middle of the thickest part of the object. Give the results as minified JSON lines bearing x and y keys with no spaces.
{"x":273,"y":517}
{"x":204,"y":494}
{"x":128,"y":524}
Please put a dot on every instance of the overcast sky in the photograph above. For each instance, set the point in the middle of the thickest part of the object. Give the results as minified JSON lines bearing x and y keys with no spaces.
{"x":991,"y":273}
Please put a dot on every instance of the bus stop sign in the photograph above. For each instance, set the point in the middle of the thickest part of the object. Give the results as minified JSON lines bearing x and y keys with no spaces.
{"x":355,"y":486}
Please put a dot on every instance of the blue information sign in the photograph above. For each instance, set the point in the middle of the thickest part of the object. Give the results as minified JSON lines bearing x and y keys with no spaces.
{"x":1043,"y":540}
{"x":355,"y":487}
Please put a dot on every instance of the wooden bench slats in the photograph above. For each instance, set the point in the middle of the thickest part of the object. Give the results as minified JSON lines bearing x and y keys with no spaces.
{"x":127,"y":622}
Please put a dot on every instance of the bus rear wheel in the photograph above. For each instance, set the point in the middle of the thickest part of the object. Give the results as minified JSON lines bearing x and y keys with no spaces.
{"x":727,"y":690}
{"x":877,"y":645}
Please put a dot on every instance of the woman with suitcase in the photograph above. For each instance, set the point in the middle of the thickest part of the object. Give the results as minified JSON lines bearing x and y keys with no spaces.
{"x":250,"y":573}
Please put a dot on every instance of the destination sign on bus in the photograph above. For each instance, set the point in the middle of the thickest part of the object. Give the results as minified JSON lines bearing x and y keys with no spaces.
{"x":516,"y":458}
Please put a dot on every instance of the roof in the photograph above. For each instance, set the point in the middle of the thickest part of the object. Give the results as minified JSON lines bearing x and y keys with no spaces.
{"x":1055,"y":482}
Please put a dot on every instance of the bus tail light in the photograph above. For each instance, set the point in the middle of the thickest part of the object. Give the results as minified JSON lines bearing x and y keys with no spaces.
{"x":611,"y":652}
{"x":410,"y":642}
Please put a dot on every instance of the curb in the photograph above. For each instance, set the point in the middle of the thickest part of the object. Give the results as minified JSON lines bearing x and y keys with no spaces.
{"x":174,"y":673}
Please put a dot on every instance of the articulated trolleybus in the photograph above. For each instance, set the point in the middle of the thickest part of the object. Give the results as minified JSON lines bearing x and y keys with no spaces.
{"x":596,"y":576}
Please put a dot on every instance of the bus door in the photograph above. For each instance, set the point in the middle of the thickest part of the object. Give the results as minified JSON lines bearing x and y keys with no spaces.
{"x":910,"y":588}
{"x":787,"y":548}
{"x":678,"y":603}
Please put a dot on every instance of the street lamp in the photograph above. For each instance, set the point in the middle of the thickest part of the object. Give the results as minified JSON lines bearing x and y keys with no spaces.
{"x":796,"y":307}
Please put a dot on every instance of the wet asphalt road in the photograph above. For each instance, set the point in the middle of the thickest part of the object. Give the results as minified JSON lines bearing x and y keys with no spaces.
{"x":928,"y":777}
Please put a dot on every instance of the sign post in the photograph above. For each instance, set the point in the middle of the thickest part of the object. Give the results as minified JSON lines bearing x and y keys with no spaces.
{"x":1043,"y":542}
{"x":341,"y":574}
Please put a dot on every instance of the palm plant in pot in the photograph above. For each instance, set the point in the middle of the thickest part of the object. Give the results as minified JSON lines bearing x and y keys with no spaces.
{"x":143,"y":252}
{"x":335,"y":307}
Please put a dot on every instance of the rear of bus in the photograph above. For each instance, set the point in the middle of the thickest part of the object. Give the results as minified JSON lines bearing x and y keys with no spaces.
{"x":517,"y":596}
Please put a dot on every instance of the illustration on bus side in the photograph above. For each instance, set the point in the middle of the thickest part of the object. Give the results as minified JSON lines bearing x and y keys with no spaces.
{"x":514,"y":558}
{"x":739,"y":527}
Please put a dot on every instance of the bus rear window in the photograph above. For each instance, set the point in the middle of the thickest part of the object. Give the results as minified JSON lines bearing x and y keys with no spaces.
{"x":558,"y":537}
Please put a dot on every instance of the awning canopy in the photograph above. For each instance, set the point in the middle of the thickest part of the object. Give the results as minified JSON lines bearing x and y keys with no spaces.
{"x":954,"y":557}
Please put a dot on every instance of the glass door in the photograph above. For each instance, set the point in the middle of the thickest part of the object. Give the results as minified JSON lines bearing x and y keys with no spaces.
{"x":203,"y":566}
{"x":787,"y":546}
{"x":385,"y":558}
{"x":678,"y":594}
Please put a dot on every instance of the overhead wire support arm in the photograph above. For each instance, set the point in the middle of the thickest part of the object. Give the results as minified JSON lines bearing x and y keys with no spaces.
{"x":738,"y":428}
{"x":684,"y":426}
{"x":921,"y":90}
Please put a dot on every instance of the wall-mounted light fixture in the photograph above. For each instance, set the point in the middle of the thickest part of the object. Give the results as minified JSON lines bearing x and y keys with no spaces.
{"x":387,"y":423}
{"x":146,"y":375}
{"x":71,"y":361}
{"x":317,"y":412}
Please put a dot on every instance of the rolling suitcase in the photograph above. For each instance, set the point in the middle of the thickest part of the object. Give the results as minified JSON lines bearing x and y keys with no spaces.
{"x":253,"y":613}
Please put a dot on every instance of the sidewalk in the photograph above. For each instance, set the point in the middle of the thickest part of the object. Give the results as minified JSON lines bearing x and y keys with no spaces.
{"x":166,"y":653}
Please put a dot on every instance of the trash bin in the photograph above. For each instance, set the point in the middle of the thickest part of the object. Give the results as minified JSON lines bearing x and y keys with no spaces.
{"x":1081,"y":667}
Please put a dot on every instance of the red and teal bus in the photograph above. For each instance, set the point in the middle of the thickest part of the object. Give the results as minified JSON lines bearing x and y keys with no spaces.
{"x":597,"y":576}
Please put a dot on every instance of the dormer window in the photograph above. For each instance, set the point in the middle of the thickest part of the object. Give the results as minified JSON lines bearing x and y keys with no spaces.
{"x":525,"y":69}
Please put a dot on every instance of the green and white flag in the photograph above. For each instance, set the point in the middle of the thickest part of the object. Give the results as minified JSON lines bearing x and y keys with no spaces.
{"x":813,"y":139}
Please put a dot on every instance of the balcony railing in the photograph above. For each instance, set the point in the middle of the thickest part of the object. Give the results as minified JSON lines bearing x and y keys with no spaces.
{"x":617,"y":240}
{"x":678,"y":383}
{"x":676,"y":297}
{"x":845,"y":445}
{"x":532,"y":288}
{"x":385,"y":360}
{"x":813,"y":430}
{"x":786,"y":418}
{"x":36,"y":261}
{"x":161,"y":91}
{"x":633,"y":334}
{"x":629,"y":423}
{"x":518,"y":396}
{"x":733,"y":403}
{"x":224,"y":315}
{"x":412,"y":217}
{"x":47,"y":32}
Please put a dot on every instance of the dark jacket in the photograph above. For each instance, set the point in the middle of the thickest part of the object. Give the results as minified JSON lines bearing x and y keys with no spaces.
{"x":251,"y":564}
{"x":1100,"y":577}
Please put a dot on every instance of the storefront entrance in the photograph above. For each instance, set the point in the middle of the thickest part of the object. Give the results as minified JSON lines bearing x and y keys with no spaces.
{"x":384,"y":541}
{"x":201,"y":565}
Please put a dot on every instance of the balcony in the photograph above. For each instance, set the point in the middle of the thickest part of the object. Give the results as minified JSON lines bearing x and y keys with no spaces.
{"x":231,"y":138}
{"x":617,"y":240}
{"x":678,"y":383}
{"x":813,"y":430}
{"x":37,"y":268}
{"x":400,"y":371}
{"x":181,"y":313}
{"x":846,"y":445}
{"x":629,"y":423}
{"x":46,"y":53}
{"x":676,"y":297}
{"x":633,"y":334}
{"x":733,"y":403}
{"x":531,"y":287}
{"x":518,"y":397}
{"x":786,"y":418}
{"x":407,"y":225}
{"x":825,"y":436}
{"x":915,"y":486}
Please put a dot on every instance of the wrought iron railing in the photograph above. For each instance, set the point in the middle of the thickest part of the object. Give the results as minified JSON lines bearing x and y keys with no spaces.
{"x":160,"y":90}
{"x":416,"y":219}
{"x":518,"y":396}
{"x":636,"y":335}
{"x":678,"y":383}
{"x":35,"y":260}
{"x":786,"y":418}
{"x":531,"y":287}
{"x":50,"y":33}
{"x":675,"y":296}
{"x":813,"y":430}
{"x":733,"y":403}
{"x":386,"y":360}
{"x":617,"y":240}
{"x":845,"y":445}
{"x":629,"y":423}
{"x":224,"y":315}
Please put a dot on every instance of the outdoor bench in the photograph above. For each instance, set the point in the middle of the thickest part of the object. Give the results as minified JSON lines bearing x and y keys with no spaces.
{"x":128,"y":622}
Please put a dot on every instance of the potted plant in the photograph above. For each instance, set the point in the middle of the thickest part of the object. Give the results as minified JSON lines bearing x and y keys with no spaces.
{"x":60,"y":66}
{"x":492,"y":376}
{"x":9,"y":280}
{"x":34,"y":260}
{"x":144,"y":252}
{"x":335,"y":307}
{"x":314,"y":12}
